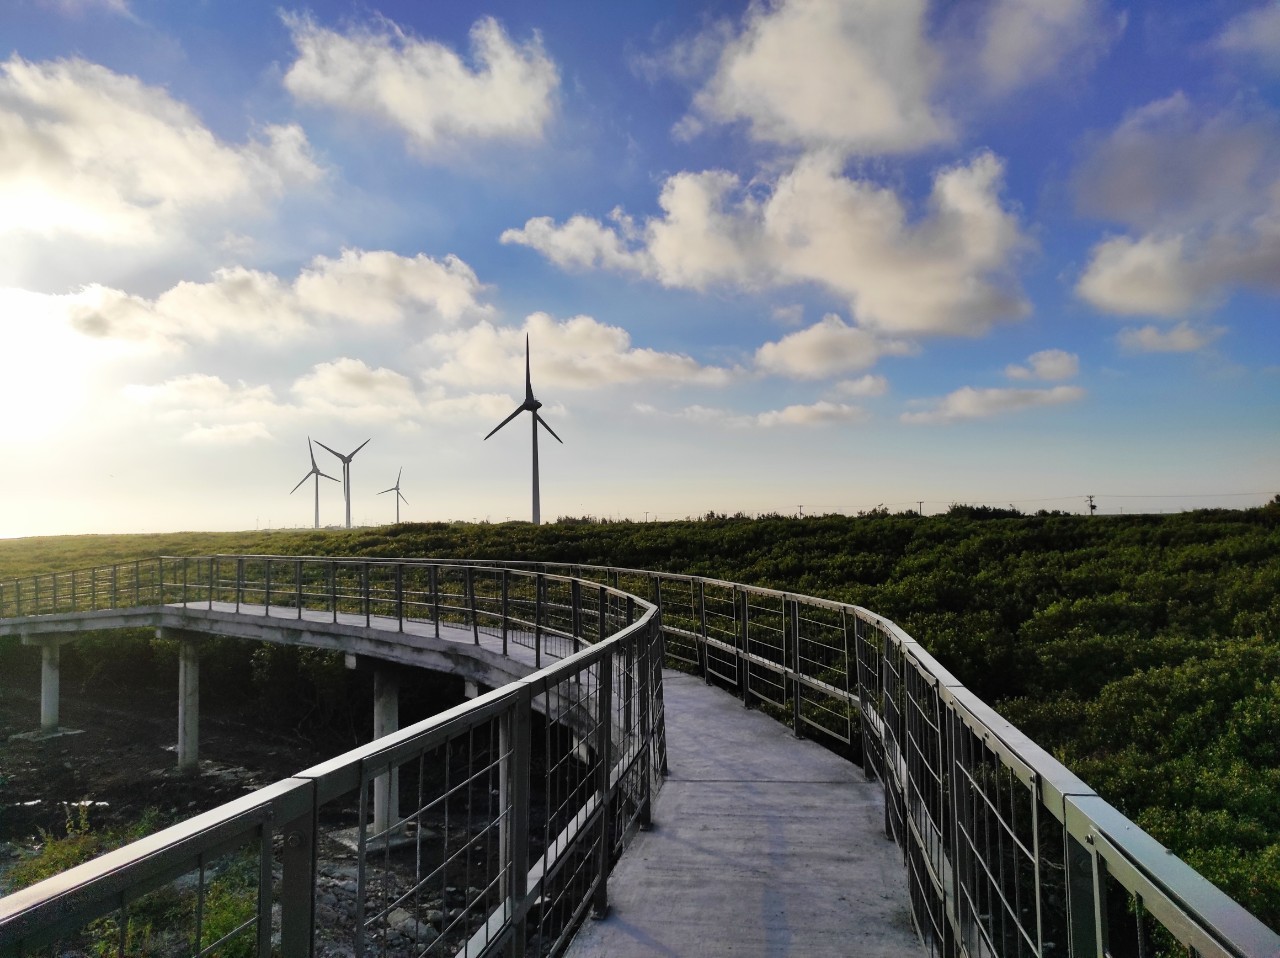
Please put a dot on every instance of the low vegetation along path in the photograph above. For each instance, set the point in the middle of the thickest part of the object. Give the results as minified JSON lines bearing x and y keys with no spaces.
{"x":761,"y":844}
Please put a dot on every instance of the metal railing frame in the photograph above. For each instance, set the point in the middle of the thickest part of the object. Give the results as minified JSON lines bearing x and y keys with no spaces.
{"x":280,"y":823}
{"x":1007,"y":852}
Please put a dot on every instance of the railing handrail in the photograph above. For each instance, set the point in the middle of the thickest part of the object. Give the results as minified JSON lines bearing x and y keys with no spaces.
{"x":908,"y":685}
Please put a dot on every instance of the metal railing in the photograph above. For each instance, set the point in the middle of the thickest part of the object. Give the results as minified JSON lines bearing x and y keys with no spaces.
{"x":503,"y":817}
{"x":1006,"y":851}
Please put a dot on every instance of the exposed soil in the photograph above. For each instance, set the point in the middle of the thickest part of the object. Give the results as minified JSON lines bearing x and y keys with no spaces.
{"x":124,"y":761}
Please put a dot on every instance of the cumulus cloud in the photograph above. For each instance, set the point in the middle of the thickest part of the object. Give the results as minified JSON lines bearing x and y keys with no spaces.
{"x":91,"y":153}
{"x":863,"y":386}
{"x":970,"y":403}
{"x":79,"y":7}
{"x":352,"y":391}
{"x":827,"y":348}
{"x":423,"y":88}
{"x":1048,"y":364}
{"x":1254,"y":34}
{"x":1200,"y":196}
{"x":226,"y":434}
{"x":856,"y":77}
{"x":820,"y":413}
{"x":1182,"y":338}
{"x":576,"y":353}
{"x":362,"y":288}
{"x":945,"y":271}
{"x":1028,"y":40}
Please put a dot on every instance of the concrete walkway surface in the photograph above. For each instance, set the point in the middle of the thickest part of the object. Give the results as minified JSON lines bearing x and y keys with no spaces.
{"x":762,"y":845}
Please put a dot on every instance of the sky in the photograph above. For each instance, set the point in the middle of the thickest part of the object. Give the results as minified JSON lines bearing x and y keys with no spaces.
{"x":781,"y":256}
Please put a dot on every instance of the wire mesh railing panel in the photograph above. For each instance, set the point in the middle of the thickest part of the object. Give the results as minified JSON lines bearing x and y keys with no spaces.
{"x":721,"y":615}
{"x":678,"y":601}
{"x":766,"y":647}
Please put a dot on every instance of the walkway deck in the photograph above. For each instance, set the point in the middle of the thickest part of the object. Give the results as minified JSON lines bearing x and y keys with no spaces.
{"x":762,"y":845}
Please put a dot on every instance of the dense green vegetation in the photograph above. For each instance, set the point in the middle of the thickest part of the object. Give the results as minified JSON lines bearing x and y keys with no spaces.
{"x":1144,"y":651}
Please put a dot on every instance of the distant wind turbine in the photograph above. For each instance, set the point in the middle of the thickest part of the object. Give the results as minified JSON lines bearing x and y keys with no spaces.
{"x":315,"y":471}
{"x":346,"y":472}
{"x":399,"y":495}
{"x":531,"y":405}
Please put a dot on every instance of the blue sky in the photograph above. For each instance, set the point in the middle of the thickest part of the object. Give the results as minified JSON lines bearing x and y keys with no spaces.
{"x":818,"y":253}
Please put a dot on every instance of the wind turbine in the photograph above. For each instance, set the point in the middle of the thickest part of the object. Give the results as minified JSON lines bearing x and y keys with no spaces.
{"x":315,"y":471}
{"x":399,"y":495}
{"x":346,"y":472}
{"x":532,"y":405}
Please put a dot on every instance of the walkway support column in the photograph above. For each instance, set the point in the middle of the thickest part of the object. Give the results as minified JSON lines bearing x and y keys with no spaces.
{"x":188,"y":704}
{"x":386,"y":719}
{"x":50,"y":683}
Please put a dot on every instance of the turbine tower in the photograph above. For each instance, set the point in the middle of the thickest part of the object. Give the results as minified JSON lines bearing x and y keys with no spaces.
{"x":315,"y":471}
{"x":346,"y":472}
{"x":532,"y":405}
{"x":399,"y":495}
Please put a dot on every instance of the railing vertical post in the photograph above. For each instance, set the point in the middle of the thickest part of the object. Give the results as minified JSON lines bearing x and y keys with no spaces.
{"x":364,"y":591}
{"x":54,"y":577}
{"x":137,"y":582}
{"x":537,"y":620}
{"x":517,"y":762}
{"x":239,"y":582}
{"x":333,"y":588}
{"x":215,"y":565}
{"x":471,"y":604}
{"x":604,"y":735}
{"x":575,"y":592}
{"x":400,"y":594}
{"x":743,"y":604}
{"x":115,"y":583}
{"x":601,"y":624}
{"x":297,"y":887}
{"x":506,"y":609}
{"x":794,"y":619}
{"x":267,"y":589}
{"x":703,"y":661}
{"x":297,"y":580}
{"x":93,"y":590}
{"x":184,"y":582}
{"x":435,"y":597}
{"x":628,"y":677}
{"x":644,"y":664}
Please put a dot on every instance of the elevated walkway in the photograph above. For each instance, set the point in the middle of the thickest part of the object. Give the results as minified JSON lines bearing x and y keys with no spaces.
{"x":762,"y":845}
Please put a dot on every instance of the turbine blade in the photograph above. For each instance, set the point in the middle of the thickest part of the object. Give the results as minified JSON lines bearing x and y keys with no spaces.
{"x":402,"y":498}
{"x":311,"y":452}
{"x":300,"y":482}
{"x":398,"y":475}
{"x":359,"y":447}
{"x":528,"y":379}
{"x":548,"y":428}
{"x":519,"y":410}
{"x":326,"y":475}
{"x":385,"y":491}
{"x":334,"y":451}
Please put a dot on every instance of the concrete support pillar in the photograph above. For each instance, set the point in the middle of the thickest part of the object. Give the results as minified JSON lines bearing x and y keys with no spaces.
{"x":188,"y":704}
{"x":50,"y":667}
{"x":470,"y":689}
{"x":386,"y":719}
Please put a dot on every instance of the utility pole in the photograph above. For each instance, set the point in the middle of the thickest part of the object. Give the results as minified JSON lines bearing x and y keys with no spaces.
{"x":1092,"y":507}
{"x":646,"y":515}
{"x":801,"y":508}
{"x":920,"y":503}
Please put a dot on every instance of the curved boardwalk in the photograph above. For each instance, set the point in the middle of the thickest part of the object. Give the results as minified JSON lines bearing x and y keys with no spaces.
{"x":762,"y":845}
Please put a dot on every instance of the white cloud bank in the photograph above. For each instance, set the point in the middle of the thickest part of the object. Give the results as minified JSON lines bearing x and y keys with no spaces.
{"x":1024,"y":41}
{"x":1200,"y":196}
{"x":1254,"y":34}
{"x":1182,"y":338}
{"x":359,"y":288}
{"x":422,"y":87}
{"x":970,"y":403}
{"x":852,"y":76}
{"x":91,"y":153}
{"x":827,"y":348}
{"x":946,"y":271}
{"x":1048,"y":364}
{"x":821,"y":413}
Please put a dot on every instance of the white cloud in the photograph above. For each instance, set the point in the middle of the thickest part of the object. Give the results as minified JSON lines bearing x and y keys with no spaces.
{"x":947,"y":271}
{"x":1048,"y":364}
{"x":863,"y":386}
{"x":1182,"y":338}
{"x":352,"y":391}
{"x":1200,"y":194}
{"x":1029,"y":40}
{"x":1254,"y":34}
{"x":199,"y":395}
{"x":819,"y":413}
{"x":79,"y":7}
{"x":854,"y":76}
{"x":227,"y":434}
{"x":970,"y":403}
{"x":91,"y":153}
{"x":827,"y":348}
{"x":814,"y":414}
{"x":423,"y":88}
{"x":366,"y":288}
{"x":576,"y":353}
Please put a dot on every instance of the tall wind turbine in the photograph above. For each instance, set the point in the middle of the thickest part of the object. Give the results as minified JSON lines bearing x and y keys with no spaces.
{"x":532,"y":405}
{"x":315,"y":471}
{"x":346,"y":472}
{"x":399,"y":494}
